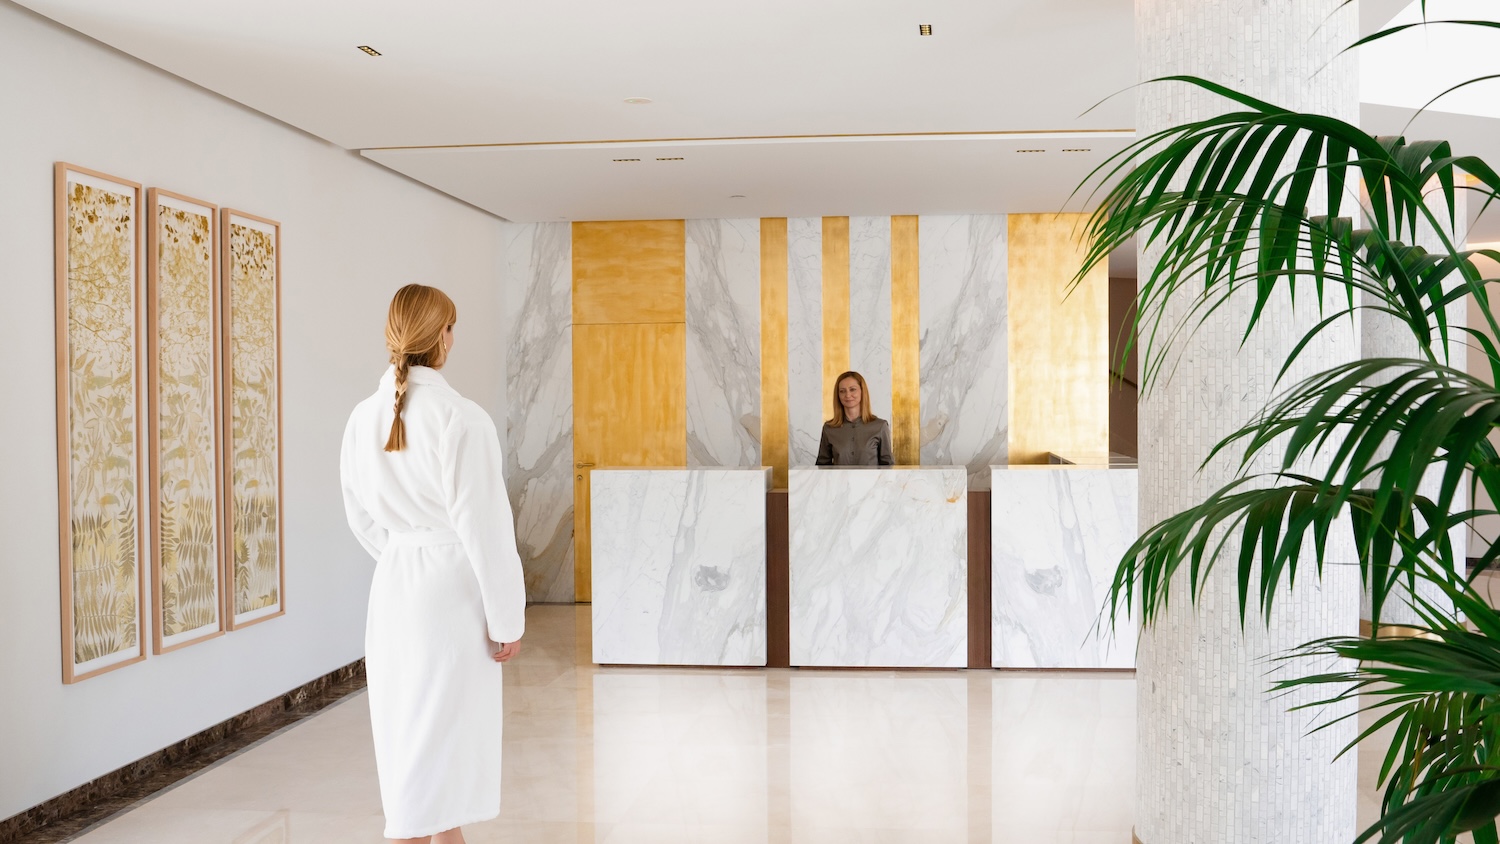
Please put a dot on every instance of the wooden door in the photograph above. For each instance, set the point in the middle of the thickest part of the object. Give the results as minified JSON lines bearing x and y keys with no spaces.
{"x":629,"y":359}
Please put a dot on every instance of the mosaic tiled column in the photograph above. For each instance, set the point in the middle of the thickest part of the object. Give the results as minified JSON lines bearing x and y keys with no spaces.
{"x":1219,"y":759}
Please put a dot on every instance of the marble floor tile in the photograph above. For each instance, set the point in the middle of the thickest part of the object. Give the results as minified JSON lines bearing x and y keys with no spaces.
{"x":622,"y":755}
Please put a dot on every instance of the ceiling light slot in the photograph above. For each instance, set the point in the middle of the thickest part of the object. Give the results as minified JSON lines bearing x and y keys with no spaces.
{"x":368,"y":50}
{"x":675,"y":158}
{"x":924,"y":29}
{"x":623,"y":160}
{"x":1030,"y":150}
{"x":1078,"y":149}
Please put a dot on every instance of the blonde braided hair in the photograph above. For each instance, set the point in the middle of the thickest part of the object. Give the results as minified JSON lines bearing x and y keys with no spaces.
{"x":414,"y":329}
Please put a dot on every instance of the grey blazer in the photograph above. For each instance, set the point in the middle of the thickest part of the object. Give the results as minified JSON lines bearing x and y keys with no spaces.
{"x":856,"y":443}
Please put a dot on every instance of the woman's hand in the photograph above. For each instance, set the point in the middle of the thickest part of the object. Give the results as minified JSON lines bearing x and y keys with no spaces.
{"x":505,"y":651}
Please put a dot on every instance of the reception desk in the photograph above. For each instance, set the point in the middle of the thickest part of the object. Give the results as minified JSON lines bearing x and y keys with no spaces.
{"x":877,"y":562}
{"x":1057,"y":535}
{"x":679,"y":566}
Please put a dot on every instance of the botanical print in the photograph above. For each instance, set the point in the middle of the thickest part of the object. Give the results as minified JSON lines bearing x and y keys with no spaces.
{"x":185,"y":418}
{"x":253,"y":420}
{"x":101,"y":421}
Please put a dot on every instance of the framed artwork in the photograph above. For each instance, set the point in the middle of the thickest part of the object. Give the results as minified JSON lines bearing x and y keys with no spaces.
{"x":100,"y":519}
{"x":182,"y":375}
{"x":251,"y":280}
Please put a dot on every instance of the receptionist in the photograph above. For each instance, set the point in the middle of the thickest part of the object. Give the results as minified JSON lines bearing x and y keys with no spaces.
{"x":854,"y":436}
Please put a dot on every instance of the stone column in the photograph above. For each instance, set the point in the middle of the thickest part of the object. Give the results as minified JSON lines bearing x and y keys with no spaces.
{"x":1218,"y":758}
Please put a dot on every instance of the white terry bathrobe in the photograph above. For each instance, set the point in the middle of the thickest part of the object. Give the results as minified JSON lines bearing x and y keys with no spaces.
{"x":448,"y":581}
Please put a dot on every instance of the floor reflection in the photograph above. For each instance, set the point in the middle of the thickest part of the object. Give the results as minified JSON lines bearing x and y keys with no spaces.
{"x":616,"y":755}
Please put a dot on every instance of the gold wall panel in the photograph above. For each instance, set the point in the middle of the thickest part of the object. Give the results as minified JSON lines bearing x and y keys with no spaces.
{"x":835,"y":302}
{"x":906,"y":358}
{"x":631,"y":271}
{"x":774,"y":422}
{"x":1059,"y":344}
{"x":629,"y":409}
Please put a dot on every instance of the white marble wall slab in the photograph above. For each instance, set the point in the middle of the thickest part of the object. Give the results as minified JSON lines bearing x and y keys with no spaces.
{"x":1057,"y":535}
{"x":964,"y":389}
{"x":878,"y":566}
{"x":723,"y":342}
{"x":537,"y":298}
{"x":870,"y":307}
{"x":679,"y":566}
{"x":808,"y":402}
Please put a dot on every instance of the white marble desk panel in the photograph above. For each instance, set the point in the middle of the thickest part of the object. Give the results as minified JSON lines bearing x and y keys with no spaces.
{"x":679,"y":566}
{"x":878,"y":562}
{"x":1057,"y":534}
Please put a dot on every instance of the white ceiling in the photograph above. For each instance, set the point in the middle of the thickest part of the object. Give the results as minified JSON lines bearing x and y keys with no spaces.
{"x":517,"y":106}
{"x":467,"y":72}
{"x":528,"y":71}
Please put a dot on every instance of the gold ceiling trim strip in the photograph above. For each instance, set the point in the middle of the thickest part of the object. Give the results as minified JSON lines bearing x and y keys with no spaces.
{"x":1061,"y":133}
{"x":774,"y":419}
{"x":906,"y":358}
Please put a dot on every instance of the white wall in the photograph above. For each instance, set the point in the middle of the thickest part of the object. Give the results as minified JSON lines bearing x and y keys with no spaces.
{"x":352,"y":233}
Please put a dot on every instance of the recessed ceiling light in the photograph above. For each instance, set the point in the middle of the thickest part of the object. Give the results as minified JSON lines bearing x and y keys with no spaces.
{"x":618,"y":160}
{"x":638,"y":100}
{"x":924,"y":29}
{"x":1030,"y":150}
{"x":1078,"y":149}
{"x":737,"y":196}
{"x":368,"y":50}
{"x":677,"y":158}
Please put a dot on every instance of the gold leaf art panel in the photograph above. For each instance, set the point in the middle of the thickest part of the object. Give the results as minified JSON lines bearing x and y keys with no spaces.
{"x":184,"y":449}
{"x":98,"y":433}
{"x":252,"y":301}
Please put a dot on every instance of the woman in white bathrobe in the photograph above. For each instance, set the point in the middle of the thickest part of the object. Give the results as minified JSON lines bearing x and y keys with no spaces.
{"x":424,"y":493}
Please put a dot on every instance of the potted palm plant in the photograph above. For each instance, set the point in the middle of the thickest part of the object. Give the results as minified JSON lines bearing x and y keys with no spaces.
{"x":1224,"y":201}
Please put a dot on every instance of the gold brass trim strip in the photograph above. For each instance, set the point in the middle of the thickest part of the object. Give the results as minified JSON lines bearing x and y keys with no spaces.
{"x":835,"y":302}
{"x":1393,"y":631}
{"x":774,"y":419}
{"x":997,"y":133}
{"x":906,"y":358}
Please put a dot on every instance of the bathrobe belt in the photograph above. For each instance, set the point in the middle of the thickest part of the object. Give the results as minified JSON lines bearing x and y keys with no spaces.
{"x":424,"y":538}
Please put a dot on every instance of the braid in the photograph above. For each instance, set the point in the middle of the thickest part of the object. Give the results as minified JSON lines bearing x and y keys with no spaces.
{"x":415,"y":330}
{"x":397,"y":439}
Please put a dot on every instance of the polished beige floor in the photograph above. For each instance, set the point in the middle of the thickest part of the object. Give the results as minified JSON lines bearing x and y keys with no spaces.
{"x":655,"y":755}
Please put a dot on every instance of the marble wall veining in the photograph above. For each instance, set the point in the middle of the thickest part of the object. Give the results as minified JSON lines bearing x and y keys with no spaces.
{"x":537,"y":288}
{"x":964,"y":318}
{"x":878,"y":563}
{"x":870,"y":307}
{"x":807,"y":400}
{"x":679,"y":566}
{"x":1057,"y":536}
{"x":723,"y":342}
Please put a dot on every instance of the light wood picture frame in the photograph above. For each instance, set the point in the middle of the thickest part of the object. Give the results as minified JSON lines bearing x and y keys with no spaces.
{"x":101,"y":536}
{"x":183,"y":380}
{"x":250,"y":277}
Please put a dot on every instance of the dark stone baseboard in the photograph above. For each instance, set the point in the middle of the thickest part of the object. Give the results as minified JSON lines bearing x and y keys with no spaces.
{"x":68,"y":814}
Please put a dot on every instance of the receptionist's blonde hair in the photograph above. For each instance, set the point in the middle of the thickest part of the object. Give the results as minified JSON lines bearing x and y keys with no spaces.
{"x":864,"y":400}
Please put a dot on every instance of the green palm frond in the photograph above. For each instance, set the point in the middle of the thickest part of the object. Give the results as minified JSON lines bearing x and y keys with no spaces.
{"x":1224,"y":200}
{"x":1440,"y":694}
